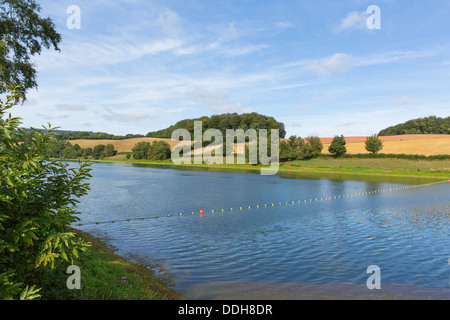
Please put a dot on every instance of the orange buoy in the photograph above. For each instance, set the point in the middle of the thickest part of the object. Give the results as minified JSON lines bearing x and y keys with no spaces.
{"x":329,"y":198}
{"x":390,"y":189}
{"x":201,"y":212}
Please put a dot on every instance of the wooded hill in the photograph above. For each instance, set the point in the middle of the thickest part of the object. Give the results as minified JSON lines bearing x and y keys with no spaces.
{"x":223,"y":122}
{"x":427,"y":125}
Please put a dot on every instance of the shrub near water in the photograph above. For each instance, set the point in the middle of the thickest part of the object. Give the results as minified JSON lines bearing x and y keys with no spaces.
{"x":37,"y":204}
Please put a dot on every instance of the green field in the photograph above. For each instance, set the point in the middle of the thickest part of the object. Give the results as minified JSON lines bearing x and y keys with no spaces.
{"x":439,"y":168}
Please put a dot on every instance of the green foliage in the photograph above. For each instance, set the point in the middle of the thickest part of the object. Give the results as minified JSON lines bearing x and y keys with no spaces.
{"x":23,"y":33}
{"x":98,"y":152}
{"x":38,"y":199}
{"x":297,"y":148}
{"x":86,"y":153}
{"x":337,"y":147}
{"x":56,"y":148}
{"x":427,"y":125}
{"x":223,"y":122}
{"x":141,"y":150}
{"x":158,"y":150}
{"x":109,"y":150}
{"x":59,"y":149}
{"x":74,"y":135}
{"x":393,"y":156}
{"x":374,"y":144}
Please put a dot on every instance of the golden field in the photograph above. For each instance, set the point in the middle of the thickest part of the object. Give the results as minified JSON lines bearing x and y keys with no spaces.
{"x":407,"y":144}
{"x":426,"y":145}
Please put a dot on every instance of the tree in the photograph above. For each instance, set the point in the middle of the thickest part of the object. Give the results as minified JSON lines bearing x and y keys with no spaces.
{"x":315,"y":145}
{"x":56,"y":148}
{"x":37,"y":205}
{"x":23,"y":33}
{"x":109,"y":150}
{"x":98,"y":152}
{"x":337,"y":147}
{"x":86,"y":153}
{"x":72,"y":152}
{"x":297,"y":148}
{"x":159,"y":150}
{"x":141,"y":150}
{"x":374,"y":144}
{"x":287,"y":151}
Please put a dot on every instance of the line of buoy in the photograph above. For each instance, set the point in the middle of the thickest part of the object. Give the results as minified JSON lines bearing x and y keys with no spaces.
{"x":201,"y":212}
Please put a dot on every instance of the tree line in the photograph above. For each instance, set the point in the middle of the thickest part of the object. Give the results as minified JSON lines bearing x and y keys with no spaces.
{"x":427,"y":125}
{"x":294,"y":148}
{"x":65,"y":150}
{"x":74,"y":135}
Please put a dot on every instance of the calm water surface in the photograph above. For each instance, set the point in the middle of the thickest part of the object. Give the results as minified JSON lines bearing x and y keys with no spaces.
{"x":317,"y":249}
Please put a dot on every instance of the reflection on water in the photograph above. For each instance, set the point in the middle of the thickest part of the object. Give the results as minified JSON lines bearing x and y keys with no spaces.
{"x":293,"y":251}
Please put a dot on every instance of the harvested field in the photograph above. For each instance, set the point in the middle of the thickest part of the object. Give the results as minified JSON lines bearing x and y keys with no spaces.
{"x":426,"y":145}
{"x":407,"y":144}
{"x":393,"y":138}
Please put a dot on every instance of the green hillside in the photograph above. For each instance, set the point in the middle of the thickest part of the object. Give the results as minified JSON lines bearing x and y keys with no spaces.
{"x":222,"y":122}
{"x":427,"y":125}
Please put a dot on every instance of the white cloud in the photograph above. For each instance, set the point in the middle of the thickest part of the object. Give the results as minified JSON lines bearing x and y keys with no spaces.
{"x":406,"y":100}
{"x":337,"y":63}
{"x":217,"y":102}
{"x":300,"y":109}
{"x":70,"y":107}
{"x":169,"y":22}
{"x":353,"y":21}
{"x":125,"y":116}
{"x":284,"y":24}
{"x":342,"y":62}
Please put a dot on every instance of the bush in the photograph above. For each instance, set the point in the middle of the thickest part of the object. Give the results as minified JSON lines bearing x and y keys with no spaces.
{"x":298,"y":149}
{"x":37,"y":205}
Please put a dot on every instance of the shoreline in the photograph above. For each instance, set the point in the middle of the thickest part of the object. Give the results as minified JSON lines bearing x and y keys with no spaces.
{"x":138,"y":278}
{"x":292,"y":170}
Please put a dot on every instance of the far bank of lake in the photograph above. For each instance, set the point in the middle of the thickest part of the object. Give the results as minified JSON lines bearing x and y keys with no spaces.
{"x":346,"y":168}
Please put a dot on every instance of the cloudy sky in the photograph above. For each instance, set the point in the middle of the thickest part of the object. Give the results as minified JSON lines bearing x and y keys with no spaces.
{"x":135,"y":66}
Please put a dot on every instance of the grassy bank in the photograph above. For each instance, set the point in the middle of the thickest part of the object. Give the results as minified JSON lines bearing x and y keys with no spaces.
{"x":107,"y":276}
{"x":356,"y":166}
{"x":386,"y":166}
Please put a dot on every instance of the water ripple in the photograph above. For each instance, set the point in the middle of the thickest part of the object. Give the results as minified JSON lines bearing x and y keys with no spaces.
{"x":284,"y":248}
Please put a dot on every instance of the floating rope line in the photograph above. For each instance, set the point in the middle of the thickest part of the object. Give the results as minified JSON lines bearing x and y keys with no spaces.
{"x":201,"y":212}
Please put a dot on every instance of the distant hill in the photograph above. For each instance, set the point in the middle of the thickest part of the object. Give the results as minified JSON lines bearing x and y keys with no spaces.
{"x":222,"y":122}
{"x":427,"y":125}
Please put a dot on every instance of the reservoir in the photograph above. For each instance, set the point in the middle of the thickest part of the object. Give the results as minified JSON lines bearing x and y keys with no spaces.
{"x":273,"y":239}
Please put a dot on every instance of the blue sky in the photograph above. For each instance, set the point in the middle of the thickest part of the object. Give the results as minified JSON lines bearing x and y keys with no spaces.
{"x":137,"y":66}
